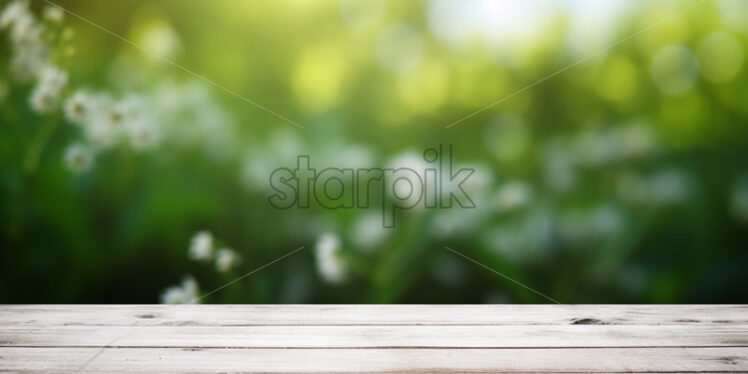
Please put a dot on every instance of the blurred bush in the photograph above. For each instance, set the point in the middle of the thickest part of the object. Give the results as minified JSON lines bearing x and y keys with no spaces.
{"x":127,"y":176}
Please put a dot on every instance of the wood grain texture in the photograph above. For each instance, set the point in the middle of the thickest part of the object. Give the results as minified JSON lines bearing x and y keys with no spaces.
{"x":373,"y":338}
{"x":536,"y":336}
{"x":261,"y":315}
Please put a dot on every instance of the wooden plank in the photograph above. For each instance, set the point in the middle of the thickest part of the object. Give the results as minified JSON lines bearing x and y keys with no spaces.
{"x":509,"y":336}
{"x":178,"y":360}
{"x":303,"y":315}
{"x":373,"y":338}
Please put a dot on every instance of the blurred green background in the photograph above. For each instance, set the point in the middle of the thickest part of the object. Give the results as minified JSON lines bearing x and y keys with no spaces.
{"x":622,"y":179}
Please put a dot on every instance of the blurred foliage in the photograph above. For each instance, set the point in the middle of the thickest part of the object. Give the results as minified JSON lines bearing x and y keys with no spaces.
{"x":621,"y":179}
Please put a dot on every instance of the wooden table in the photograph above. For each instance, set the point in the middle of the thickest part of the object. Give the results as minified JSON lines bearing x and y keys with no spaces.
{"x":373,"y":338}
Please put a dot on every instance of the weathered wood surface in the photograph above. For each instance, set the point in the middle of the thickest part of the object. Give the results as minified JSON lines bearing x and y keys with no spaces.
{"x":373,"y":338}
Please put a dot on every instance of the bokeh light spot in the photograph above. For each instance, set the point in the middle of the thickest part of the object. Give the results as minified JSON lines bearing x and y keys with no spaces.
{"x":720,"y":57}
{"x":319,"y":76}
{"x":425,"y":89}
{"x":674,"y":69}
{"x":399,"y":48}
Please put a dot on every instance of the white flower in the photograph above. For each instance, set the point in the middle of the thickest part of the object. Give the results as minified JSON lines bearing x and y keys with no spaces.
{"x":186,"y":293}
{"x":100,"y":134}
{"x":78,"y":107}
{"x":597,"y":223}
{"x":26,"y":31}
{"x":42,"y":101}
{"x":476,"y":187}
{"x":329,"y":264}
{"x":663,"y":188}
{"x":410,"y":160}
{"x":79,"y":158}
{"x":521,"y":239}
{"x":226,"y":258}
{"x":131,"y":108}
{"x":26,"y":61}
{"x":603,"y":147}
{"x":105,"y":123}
{"x":369,"y":231}
{"x":29,"y":52}
{"x":53,"y":14}
{"x":512,"y":195}
{"x":201,"y":246}
{"x":116,"y":116}
{"x":670,"y":186}
{"x":46,"y":94}
{"x":142,"y":134}
{"x":13,"y":12}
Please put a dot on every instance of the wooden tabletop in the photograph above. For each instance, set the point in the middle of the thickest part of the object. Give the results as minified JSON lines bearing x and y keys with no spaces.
{"x":373,"y":338}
